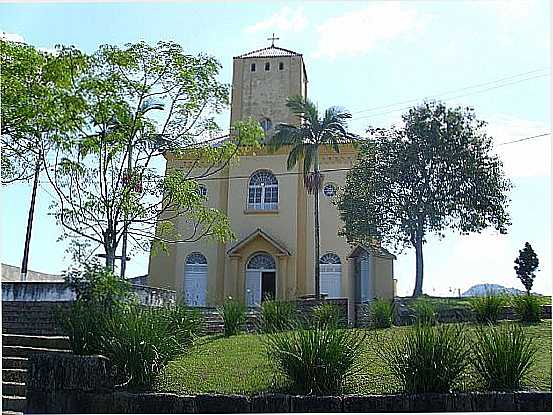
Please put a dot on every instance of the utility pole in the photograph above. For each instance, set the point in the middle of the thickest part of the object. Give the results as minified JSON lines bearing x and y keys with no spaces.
{"x":24,"y":263}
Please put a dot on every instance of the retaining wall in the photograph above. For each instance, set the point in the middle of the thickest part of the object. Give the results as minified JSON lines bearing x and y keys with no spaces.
{"x":65,"y":383}
{"x":30,"y":307}
{"x":404,"y":316}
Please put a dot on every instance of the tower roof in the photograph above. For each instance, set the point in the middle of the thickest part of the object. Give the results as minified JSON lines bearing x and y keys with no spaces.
{"x":269,"y":52}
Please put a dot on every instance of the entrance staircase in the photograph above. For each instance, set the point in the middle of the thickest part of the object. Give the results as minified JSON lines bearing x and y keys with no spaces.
{"x":16,"y":349}
{"x":213,"y":322}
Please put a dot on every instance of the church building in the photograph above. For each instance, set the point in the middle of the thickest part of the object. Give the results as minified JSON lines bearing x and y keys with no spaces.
{"x":270,"y":211}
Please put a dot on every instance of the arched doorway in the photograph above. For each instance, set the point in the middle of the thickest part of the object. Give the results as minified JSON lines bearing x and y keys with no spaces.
{"x":195,"y":280}
{"x":260,"y":278}
{"x":331,"y":275}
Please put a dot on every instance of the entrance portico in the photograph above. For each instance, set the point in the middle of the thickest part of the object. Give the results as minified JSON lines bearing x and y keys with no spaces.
{"x":259,"y":268}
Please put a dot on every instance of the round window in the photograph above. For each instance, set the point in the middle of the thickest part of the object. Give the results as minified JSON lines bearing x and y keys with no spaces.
{"x":330,"y":190}
{"x":202,"y":190}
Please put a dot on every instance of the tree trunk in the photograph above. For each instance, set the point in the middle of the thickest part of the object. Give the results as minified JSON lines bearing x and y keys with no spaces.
{"x":419,"y":267}
{"x":25,"y":261}
{"x":317,"y":229}
{"x":317,"y":248}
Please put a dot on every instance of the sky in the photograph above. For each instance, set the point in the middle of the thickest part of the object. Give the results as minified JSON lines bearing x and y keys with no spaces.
{"x":374,"y":58}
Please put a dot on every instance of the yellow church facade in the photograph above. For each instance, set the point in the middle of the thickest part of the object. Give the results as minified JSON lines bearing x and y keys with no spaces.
{"x":270,"y":212}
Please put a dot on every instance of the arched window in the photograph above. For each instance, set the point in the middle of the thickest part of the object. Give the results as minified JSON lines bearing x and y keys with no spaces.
{"x":331,"y":275}
{"x":263,"y":191}
{"x":266,"y":124}
{"x":280,"y":66}
{"x":195,"y":279}
{"x":267,"y":66}
{"x":261,"y":261}
{"x":252,"y":67}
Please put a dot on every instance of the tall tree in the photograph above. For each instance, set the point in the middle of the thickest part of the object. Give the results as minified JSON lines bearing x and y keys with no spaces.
{"x":305,"y":142}
{"x":436,"y":172}
{"x":37,"y":109}
{"x":144,"y":102}
{"x":526,"y":266}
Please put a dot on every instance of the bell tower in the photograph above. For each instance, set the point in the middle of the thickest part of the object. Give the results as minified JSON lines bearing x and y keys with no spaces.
{"x":262,"y":80}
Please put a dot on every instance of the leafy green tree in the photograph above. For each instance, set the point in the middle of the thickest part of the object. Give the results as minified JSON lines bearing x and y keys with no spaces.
{"x":305,"y":140}
{"x":526,"y":266}
{"x":145,"y":102}
{"x":436,"y":172}
{"x":37,"y":110}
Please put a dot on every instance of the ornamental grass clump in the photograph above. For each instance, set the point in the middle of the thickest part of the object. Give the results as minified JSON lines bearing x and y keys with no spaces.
{"x":428,"y":359}
{"x":487,"y":308}
{"x":233,"y":313}
{"x":316,"y":361}
{"x":276,"y":316}
{"x":184,"y":322}
{"x":140,"y":342}
{"x":425,"y":313}
{"x":503,"y":356}
{"x":527,"y":308}
{"x":381,"y":313}
{"x":327,"y":316}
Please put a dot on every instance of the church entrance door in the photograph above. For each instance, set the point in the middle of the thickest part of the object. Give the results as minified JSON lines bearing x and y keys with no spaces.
{"x":268,"y":285}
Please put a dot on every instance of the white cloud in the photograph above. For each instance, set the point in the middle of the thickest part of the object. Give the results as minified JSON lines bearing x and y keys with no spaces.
{"x":285,"y":20}
{"x":525,"y":158}
{"x":13,"y":37}
{"x":356,"y":32}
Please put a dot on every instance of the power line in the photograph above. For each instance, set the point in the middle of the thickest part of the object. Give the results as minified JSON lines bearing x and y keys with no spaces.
{"x":454,"y":97}
{"x":323,"y":170}
{"x":453,"y":90}
{"x":524,"y":139}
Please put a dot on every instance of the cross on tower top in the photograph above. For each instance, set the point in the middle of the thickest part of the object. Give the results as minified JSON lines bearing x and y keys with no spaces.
{"x":272,"y":39}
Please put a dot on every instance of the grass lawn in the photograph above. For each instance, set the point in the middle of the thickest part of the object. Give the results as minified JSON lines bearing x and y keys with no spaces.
{"x":463,"y":302}
{"x":239,"y":365}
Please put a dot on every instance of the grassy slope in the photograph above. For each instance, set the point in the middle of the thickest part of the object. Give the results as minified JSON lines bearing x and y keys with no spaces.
{"x":239,"y":365}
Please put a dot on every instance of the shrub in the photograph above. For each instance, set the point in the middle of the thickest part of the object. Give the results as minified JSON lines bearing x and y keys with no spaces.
{"x":487,"y":308}
{"x":233,"y":313}
{"x":316,"y":361}
{"x":425,"y":312}
{"x":503,"y":355}
{"x":428,"y":359}
{"x":527,"y":308}
{"x":97,"y":284}
{"x":140,"y":342}
{"x":276,"y":316}
{"x":327,"y":316}
{"x":100,"y":294}
{"x":381,"y":313}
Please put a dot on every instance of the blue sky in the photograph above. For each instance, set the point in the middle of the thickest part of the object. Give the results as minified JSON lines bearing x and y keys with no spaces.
{"x":373,"y":58}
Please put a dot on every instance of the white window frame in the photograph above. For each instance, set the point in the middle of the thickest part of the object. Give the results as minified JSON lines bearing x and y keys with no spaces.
{"x":266,"y":189}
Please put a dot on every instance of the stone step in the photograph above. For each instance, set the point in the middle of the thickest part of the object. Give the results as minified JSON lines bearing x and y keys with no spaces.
{"x":13,"y":403}
{"x":14,"y":375}
{"x":48,"y":342}
{"x":13,"y":389}
{"x":24,"y":351}
{"x":14,"y":362}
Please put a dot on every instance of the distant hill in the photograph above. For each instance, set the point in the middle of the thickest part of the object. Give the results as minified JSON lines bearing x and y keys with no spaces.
{"x":479,"y":290}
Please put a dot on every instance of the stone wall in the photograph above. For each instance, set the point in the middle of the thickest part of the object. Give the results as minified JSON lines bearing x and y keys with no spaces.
{"x":404,"y":316}
{"x":30,"y":308}
{"x":65,"y":383}
{"x":32,"y":317}
{"x":306,"y":305}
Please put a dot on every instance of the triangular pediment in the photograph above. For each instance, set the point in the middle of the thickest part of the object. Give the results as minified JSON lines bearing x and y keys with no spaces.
{"x":377,"y":251}
{"x":279,"y":248}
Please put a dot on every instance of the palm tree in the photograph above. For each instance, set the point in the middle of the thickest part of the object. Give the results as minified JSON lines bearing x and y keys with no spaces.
{"x":305,"y":141}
